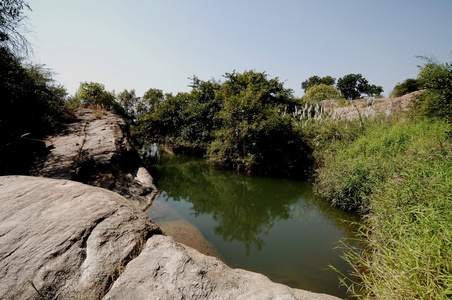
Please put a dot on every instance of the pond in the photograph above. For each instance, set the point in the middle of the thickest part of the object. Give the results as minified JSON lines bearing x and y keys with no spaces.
{"x":277,"y":227}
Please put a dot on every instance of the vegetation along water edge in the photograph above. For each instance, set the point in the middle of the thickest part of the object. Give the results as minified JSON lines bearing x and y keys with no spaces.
{"x":394,"y":167}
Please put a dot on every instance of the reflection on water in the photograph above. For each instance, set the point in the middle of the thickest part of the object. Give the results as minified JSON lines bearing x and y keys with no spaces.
{"x":277,"y":227}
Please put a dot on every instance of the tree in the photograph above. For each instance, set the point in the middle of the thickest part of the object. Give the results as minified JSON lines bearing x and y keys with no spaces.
{"x":11,"y":19}
{"x":436,"y":78}
{"x":128,"y":101}
{"x":150,"y":99}
{"x":93,"y":93}
{"x":352,"y":86}
{"x":32,"y":105}
{"x":316,"y":80}
{"x":408,"y":86}
{"x":253,"y":136}
{"x":321,"y":92}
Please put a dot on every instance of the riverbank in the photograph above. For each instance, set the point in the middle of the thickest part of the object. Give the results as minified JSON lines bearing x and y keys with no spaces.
{"x":397,"y":172}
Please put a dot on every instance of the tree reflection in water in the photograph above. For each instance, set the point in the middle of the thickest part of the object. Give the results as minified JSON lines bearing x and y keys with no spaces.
{"x":245,"y":208}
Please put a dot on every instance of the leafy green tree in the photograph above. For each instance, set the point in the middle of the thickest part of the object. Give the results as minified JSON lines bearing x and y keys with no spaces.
{"x":32,"y":105}
{"x":128,"y":100}
{"x":150,"y":99}
{"x":321,"y":92}
{"x":353,"y":86}
{"x":316,"y":80}
{"x":185,"y":120}
{"x":408,"y":86}
{"x":436,"y":78}
{"x":11,"y":20}
{"x":253,"y":135}
{"x":93,"y":93}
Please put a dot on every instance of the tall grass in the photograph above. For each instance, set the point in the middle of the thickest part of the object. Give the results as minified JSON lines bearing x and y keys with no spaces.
{"x":400,"y":174}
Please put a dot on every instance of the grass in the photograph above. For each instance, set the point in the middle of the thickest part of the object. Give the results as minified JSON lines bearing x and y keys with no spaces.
{"x":399,"y":174}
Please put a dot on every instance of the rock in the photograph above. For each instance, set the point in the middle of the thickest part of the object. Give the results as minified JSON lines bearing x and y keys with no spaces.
{"x":94,"y":149}
{"x":169,"y":270}
{"x":67,"y":239}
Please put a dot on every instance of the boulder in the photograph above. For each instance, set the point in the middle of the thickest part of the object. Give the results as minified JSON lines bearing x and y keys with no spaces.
{"x":169,"y":270}
{"x":95,"y":149}
{"x":61,"y":239}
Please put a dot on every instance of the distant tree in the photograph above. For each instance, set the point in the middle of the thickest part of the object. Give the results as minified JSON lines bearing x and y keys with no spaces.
{"x":11,"y":20}
{"x":408,"y":86}
{"x":320,"y":92}
{"x":128,"y":101}
{"x":316,"y":80}
{"x":353,"y":86}
{"x":93,"y":93}
{"x":150,"y":99}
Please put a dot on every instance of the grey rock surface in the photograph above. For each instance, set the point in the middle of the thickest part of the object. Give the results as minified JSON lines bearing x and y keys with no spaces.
{"x":65,"y":238}
{"x":169,"y":270}
{"x":94,"y":149}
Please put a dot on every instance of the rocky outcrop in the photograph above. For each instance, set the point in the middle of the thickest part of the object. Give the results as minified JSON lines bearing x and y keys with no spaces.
{"x":94,"y":149}
{"x":61,"y":239}
{"x":169,"y":270}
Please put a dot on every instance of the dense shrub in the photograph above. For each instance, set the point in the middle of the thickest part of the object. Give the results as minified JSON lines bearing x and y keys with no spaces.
{"x":436,"y":101}
{"x":321,"y":92}
{"x":93,"y":94}
{"x":242,"y":123}
{"x":32,"y":106}
{"x":408,"y":86}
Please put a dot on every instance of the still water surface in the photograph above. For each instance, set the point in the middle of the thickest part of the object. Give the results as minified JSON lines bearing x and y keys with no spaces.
{"x":277,"y":227}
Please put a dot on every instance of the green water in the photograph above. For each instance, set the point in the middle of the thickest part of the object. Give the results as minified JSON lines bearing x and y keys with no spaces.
{"x":276,"y":227}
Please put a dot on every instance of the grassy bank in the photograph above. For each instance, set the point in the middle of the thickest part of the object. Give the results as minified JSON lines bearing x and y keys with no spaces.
{"x":398,"y":173}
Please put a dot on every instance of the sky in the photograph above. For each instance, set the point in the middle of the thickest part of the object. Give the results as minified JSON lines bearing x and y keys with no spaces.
{"x":143,"y":44}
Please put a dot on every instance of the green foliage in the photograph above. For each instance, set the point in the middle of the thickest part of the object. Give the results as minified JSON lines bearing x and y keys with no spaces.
{"x":32,"y":104}
{"x":94,"y":94}
{"x":239,"y":123}
{"x":436,"y":101}
{"x":11,"y":19}
{"x":320,"y":92}
{"x":352,"y":86}
{"x":316,"y":80}
{"x":253,"y":135}
{"x":408,"y":86}
{"x":352,"y":173}
{"x":149,"y":101}
{"x":185,"y":120}
{"x":407,"y":235}
{"x":128,"y":100}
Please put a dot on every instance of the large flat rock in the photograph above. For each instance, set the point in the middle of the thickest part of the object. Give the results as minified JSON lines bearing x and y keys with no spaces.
{"x":169,"y":270}
{"x":61,"y":239}
{"x":94,"y":149}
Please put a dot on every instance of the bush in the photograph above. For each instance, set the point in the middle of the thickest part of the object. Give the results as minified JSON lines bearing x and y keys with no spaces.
{"x":436,"y":101}
{"x":94,"y":95}
{"x":321,"y":92}
{"x":32,"y":106}
{"x":408,"y":86}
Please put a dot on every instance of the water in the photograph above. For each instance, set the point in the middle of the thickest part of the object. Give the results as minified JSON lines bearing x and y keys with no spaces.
{"x":276,"y":227}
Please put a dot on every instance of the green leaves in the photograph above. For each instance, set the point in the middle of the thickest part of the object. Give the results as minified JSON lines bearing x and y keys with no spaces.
{"x":352,"y":86}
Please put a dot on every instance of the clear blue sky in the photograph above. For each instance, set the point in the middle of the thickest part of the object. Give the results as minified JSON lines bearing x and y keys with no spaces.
{"x":139,"y":44}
